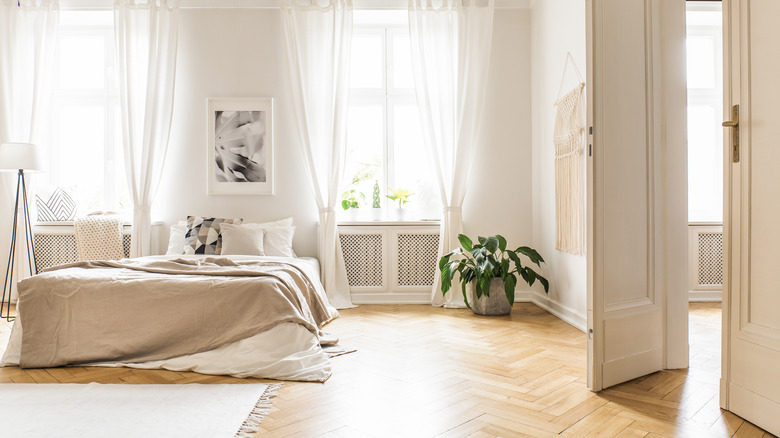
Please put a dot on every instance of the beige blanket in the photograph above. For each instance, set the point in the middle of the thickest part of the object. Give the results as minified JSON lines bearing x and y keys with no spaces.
{"x":138,"y":310}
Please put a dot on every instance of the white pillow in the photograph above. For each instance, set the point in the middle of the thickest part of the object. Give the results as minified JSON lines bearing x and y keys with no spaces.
{"x":178,"y":231}
{"x":242,"y":240}
{"x":278,"y":241}
{"x":287,"y":222}
{"x":176,"y":239}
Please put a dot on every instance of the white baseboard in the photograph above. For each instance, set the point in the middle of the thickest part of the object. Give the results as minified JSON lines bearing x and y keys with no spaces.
{"x":705,"y":296}
{"x":391,"y":298}
{"x":565,"y":314}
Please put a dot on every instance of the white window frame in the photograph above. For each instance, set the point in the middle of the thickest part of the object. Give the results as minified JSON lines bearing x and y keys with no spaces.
{"x":711,"y":97}
{"x":387,"y":96}
{"x":107,"y":97}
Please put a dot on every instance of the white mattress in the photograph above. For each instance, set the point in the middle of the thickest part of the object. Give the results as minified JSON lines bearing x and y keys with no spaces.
{"x":287,"y":352}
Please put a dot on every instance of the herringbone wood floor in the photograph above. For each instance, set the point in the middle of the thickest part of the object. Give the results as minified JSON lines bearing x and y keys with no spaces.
{"x":429,"y":372}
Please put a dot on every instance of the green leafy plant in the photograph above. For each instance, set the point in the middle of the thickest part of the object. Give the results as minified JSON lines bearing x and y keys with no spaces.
{"x":376,"y":203}
{"x":400,"y":195}
{"x":352,"y":199}
{"x":486,"y":260}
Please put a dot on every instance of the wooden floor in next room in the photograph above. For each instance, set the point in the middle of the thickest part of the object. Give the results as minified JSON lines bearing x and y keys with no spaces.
{"x":422,"y":371}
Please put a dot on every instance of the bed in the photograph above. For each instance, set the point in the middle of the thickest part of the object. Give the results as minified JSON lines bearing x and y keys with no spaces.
{"x":245,"y":316}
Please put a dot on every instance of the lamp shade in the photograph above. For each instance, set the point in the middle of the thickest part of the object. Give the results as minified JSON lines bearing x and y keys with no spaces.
{"x":15,"y":156}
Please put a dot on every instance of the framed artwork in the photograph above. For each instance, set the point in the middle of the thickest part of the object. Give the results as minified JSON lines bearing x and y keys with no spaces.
{"x":240,"y":146}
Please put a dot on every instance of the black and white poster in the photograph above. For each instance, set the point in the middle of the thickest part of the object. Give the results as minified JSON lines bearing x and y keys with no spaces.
{"x":240,"y":147}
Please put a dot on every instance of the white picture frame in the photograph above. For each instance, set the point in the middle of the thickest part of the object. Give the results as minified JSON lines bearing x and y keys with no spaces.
{"x":240,"y":146}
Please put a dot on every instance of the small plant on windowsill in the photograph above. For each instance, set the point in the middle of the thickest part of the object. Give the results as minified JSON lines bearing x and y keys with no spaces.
{"x":490,"y":269}
{"x":352,"y":199}
{"x":376,"y":198}
{"x":400,"y":195}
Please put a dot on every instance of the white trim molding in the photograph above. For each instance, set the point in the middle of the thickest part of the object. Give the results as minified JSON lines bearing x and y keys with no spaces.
{"x":358,"y":4}
{"x":270,"y":4}
{"x":705,"y":296}
{"x":565,"y":314}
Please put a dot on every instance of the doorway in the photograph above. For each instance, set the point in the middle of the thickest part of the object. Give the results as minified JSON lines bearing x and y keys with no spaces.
{"x":704,"y":59}
{"x":704,"y":55}
{"x":704,"y":67}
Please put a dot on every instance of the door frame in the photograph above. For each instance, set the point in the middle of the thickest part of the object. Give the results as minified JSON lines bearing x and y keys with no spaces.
{"x":730,"y":31}
{"x":676,"y":137}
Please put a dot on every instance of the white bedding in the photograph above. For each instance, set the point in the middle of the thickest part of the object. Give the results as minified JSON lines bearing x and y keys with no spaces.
{"x":286,"y":352}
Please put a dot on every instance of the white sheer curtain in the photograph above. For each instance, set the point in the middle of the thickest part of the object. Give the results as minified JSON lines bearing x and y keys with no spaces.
{"x":450,"y":55}
{"x":28,"y":36}
{"x":319,"y":37}
{"x":146,"y":36}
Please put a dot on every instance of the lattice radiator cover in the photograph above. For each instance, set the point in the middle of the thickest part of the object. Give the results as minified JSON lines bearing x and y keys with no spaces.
{"x":363,"y":254}
{"x":390,"y":259}
{"x":58,"y":249}
{"x":417,"y":259}
{"x":710,"y":259}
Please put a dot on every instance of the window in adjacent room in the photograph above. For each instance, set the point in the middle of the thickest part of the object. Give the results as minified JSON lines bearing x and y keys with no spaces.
{"x":705,"y":112}
{"x":384,"y":139}
{"x":85,"y":144}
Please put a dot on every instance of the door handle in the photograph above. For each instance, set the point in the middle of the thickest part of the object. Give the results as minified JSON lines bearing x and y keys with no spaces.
{"x":734,"y":125}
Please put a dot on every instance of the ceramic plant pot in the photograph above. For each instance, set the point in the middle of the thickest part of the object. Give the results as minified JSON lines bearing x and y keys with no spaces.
{"x":493,"y":305}
{"x":375,"y":214}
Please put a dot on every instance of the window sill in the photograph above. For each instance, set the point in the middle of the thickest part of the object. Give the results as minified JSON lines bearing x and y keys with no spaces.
{"x":705,"y":224}
{"x":388,"y":222}
{"x":70,"y":223}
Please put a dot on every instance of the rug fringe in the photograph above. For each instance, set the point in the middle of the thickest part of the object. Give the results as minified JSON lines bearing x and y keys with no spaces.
{"x":261,"y":409}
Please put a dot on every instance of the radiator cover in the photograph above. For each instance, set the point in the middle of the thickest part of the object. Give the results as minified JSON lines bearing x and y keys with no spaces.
{"x":390,"y":263}
{"x":417,"y":259}
{"x":55,"y":243}
{"x":710,"y":259}
{"x":363,"y":257}
{"x":705,"y":262}
{"x":57,"y":249}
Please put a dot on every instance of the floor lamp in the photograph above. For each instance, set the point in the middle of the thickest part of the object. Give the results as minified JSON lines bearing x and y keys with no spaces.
{"x":18,"y":157}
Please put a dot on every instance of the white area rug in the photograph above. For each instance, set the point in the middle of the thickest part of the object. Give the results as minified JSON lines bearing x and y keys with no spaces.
{"x":98,"y":410}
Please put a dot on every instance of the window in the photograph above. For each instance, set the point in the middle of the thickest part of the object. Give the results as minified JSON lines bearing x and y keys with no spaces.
{"x":384,"y":139}
{"x":705,"y":112}
{"x":85,"y":144}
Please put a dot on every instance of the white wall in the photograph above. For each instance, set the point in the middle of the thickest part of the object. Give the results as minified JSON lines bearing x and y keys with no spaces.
{"x":240,"y":53}
{"x":499,"y":198}
{"x":232,"y":53}
{"x":558,"y":27}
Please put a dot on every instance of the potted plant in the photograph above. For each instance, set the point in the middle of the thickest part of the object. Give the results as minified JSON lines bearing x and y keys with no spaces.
{"x":376,"y":204}
{"x":352,"y":199}
{"x":490,"y":268}
{"x":402,"y":196}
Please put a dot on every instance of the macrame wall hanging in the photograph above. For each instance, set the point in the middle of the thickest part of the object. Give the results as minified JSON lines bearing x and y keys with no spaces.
{"x":569,"y":180}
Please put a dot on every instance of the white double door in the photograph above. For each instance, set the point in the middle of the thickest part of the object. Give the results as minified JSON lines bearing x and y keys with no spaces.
{"x":637,"y":209}
{"x":637,"y":311}
{"x":750,"y":386}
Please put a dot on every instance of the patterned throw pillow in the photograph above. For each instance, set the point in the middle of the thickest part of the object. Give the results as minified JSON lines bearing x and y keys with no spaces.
{"x":203,"y":234}
{"x":59,"y":206}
